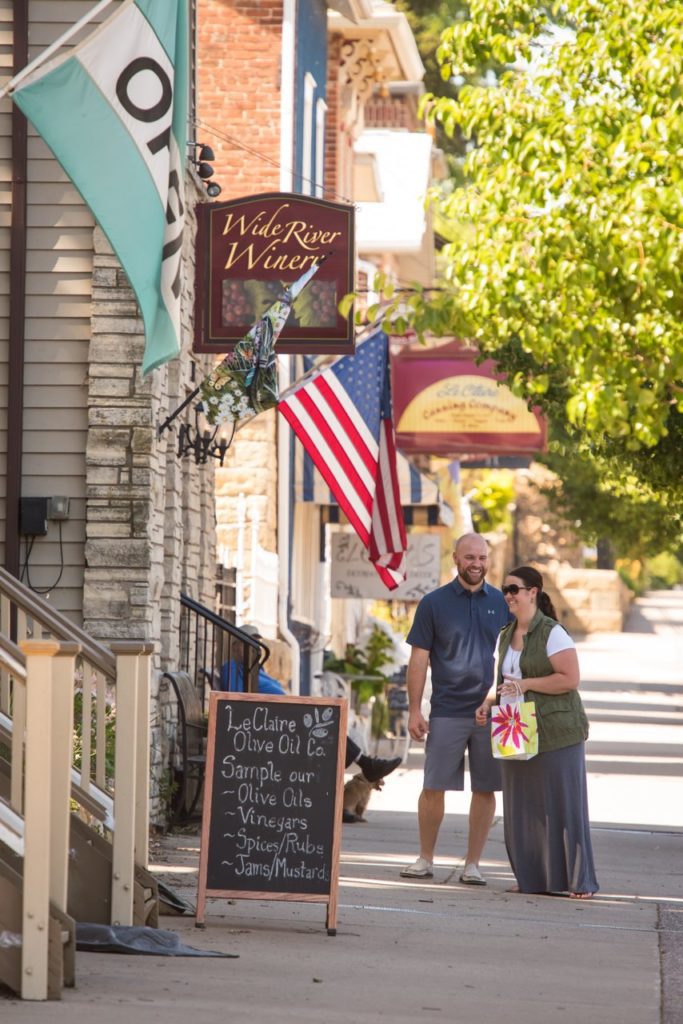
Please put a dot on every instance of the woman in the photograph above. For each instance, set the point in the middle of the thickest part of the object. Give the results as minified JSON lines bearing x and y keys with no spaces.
{"x":547,"y":833}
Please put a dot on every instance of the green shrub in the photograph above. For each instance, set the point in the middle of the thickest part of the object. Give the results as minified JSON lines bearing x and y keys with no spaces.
{"x":664,"y":571}
{"x":491,"y":498}
{"x":366,"y":663}
{"x":109,"y":734}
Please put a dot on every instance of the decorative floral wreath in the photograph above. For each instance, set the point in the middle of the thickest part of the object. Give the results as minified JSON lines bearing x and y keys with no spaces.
{"x":246,"y":381}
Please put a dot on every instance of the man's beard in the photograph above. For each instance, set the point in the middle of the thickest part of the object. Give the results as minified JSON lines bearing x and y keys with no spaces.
{"x":476,"y":577}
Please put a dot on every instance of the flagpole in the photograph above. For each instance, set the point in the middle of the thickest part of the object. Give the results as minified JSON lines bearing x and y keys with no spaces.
{"x":46,"y":54}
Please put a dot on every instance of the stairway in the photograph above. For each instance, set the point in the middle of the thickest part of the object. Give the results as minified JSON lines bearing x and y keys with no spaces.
{"x":89,"y":865}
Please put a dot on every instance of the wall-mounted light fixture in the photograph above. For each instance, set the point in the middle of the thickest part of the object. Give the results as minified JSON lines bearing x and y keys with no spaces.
{"x":202,"y":441}
{"x":202,"y":161}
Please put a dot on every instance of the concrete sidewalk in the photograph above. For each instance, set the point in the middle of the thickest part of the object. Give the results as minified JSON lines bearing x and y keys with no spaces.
{"x":416,"y":951}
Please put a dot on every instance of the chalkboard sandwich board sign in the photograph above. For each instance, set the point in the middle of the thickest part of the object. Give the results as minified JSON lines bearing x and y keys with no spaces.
{"x":271,"y":826}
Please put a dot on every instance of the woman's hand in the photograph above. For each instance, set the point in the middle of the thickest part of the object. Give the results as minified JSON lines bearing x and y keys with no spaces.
{"x":512,"y":686}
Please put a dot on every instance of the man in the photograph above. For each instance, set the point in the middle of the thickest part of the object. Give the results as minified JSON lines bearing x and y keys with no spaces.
{"x":454,"y":631}
{"x":232,"y":679}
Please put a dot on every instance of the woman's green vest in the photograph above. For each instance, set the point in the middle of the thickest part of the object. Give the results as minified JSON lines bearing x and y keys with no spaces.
{"x":561,"y":718}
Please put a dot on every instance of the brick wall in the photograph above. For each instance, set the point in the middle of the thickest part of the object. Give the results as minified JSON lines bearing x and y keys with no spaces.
{"x":344,"y":123}
{"x":238,"y":91}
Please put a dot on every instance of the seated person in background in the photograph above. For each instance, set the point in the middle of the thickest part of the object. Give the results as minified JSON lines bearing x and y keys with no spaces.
{"x":232,"y":681}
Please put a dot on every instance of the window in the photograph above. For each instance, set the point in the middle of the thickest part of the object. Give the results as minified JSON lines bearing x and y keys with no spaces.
{"x":307,"y":144}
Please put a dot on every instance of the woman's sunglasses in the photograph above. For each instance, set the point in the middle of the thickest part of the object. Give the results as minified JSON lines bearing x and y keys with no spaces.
{"x":514,"y":589}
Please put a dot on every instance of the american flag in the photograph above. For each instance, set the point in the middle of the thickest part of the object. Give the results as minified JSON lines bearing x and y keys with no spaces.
{"x":342,"y":417}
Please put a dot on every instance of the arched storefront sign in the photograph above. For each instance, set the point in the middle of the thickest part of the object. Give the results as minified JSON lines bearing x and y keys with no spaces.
{"x":445,"y":404}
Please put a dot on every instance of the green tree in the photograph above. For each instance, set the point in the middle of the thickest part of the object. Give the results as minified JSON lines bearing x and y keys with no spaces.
{"x":567,"y":263}
{"x":491,"y":494}
{"x":622,"y":524}
{"x":429,"y":19}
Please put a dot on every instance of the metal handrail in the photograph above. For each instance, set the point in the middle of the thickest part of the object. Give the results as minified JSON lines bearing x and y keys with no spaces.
{"x":209,"y":642}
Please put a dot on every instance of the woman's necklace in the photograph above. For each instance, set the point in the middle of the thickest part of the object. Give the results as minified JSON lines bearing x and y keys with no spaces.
{"x":518,"y":637}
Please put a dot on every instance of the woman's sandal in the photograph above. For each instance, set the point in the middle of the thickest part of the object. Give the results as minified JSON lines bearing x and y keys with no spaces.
{"x":572,"y":895}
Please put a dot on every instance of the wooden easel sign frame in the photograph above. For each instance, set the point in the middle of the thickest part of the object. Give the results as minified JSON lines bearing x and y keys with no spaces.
{"x":273,"y":797}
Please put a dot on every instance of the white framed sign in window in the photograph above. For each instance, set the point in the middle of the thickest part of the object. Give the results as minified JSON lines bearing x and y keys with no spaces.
{"x":353,"y":575}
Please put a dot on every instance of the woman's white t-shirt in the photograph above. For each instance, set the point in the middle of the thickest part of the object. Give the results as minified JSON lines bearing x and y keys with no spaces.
{"x":558,"y":640}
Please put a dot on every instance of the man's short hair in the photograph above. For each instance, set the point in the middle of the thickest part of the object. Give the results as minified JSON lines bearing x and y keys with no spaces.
{"x":469,"y":536}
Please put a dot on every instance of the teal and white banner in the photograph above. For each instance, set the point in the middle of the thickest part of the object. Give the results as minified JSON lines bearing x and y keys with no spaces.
{"x":113,"y":110}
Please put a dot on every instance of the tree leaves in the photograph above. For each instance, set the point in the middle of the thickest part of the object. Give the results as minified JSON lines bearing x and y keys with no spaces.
{"x":566,"y":261}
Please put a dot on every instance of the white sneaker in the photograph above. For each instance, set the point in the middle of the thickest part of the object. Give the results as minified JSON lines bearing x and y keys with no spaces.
{"x":420,"y":869}
{"x":472,"y":875}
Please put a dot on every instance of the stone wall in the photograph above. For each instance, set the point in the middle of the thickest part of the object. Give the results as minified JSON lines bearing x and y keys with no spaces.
{"x":150,"y":517}
{"x":250,"y":470}
{"x":246,"y":490}
{"x":587,"y":600}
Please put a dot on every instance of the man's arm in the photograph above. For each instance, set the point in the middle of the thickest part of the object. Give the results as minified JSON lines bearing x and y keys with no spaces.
{"x":416,"y":677}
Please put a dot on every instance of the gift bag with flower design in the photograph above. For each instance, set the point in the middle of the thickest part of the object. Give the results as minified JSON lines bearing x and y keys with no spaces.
{"x":514,"y":730}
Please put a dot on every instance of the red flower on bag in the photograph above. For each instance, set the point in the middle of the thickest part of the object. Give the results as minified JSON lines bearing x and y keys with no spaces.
{"x":509,"y":727}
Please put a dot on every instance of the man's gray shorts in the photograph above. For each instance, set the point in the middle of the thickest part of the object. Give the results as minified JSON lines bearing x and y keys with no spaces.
{"x":445,"y":756}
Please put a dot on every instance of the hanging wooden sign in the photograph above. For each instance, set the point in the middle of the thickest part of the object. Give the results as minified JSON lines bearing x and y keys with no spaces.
{"x":249,"y":249}
{"x":271,"y":826}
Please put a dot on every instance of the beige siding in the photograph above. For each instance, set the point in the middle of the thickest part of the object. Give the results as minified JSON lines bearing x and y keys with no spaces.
{"x":57,"y":329}
{"x":5,"y":205}
{"x":57,"y":332}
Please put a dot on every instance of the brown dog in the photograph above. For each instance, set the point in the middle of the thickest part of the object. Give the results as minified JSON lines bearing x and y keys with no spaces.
{"x":357,"y":792}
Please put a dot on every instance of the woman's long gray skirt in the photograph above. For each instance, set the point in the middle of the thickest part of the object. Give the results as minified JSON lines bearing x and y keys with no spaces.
{"x":545,"y":813}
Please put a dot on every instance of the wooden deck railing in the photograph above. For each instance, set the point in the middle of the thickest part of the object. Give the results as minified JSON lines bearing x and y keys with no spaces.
{"x":34,"y":820}
{"x":111,"y":785}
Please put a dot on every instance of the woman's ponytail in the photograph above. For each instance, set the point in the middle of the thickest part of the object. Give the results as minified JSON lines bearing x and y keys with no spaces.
{"x":546,"y":606}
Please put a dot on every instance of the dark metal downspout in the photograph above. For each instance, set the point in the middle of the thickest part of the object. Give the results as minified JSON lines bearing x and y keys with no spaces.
{"x":17,"y":301}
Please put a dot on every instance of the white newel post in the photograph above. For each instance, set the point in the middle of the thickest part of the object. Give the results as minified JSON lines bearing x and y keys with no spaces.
{"x":125,"y":781}
{"x":36,"y":808}
{"x":142,"y":779}
{"x":63,"y":670}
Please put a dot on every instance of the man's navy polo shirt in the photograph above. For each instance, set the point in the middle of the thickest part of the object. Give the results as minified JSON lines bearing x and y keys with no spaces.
{"x":459,"y":628}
